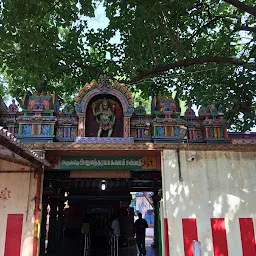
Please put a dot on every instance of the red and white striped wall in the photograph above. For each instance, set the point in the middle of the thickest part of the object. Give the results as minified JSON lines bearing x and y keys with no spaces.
{"x":13,"y":235}
{"x":219,"y":236}
{"x":19,"y":214}
{"x":214,"y":203}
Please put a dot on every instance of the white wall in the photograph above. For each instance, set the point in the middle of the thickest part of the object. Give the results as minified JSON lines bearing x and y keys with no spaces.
{"x":217,"y":184}
{"x":23,"y":190}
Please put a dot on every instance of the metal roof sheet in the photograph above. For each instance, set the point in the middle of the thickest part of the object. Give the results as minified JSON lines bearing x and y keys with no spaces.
{"x":12,"y":143}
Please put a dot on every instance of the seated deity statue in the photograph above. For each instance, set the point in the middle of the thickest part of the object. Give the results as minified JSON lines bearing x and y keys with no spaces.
{"x":105,"y":117}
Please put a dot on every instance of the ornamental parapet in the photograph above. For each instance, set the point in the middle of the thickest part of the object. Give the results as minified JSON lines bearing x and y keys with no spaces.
{"x":105,"y":108}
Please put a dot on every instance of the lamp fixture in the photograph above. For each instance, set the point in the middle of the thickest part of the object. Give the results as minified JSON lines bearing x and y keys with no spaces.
{"x":103,"y":185}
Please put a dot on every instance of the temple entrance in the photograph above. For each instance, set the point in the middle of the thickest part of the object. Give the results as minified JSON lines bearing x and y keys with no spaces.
{"x":77,"y":197}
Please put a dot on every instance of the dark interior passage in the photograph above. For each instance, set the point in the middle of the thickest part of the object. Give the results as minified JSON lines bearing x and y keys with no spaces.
{"x":73,"y":202}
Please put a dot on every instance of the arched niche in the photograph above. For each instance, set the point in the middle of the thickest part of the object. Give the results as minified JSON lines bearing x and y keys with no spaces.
{"x":103,"y":88}
{"x":91,"y":124}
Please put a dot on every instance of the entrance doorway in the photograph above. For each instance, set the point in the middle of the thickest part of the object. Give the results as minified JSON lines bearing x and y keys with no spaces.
{"x":74,"y":201}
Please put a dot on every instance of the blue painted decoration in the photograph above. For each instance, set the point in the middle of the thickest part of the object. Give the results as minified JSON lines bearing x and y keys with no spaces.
{"x":46,"y":130}
{"x":27,"y":129}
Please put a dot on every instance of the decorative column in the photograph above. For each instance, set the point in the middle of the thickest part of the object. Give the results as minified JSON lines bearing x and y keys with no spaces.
{"x":11,"y":128}
{"x":127,"y":125}
{"x":52,"y":129}
{"x":20,"y":128}
{"x":215,"y":132}
{"x":171,"y":132}
{"x":225,"y":133}
{"x":155,"y":130}
{"x":11,"y":123}
{"x":207,"y":132}
{"x":191,"y":133}
{"x":81,"y":125}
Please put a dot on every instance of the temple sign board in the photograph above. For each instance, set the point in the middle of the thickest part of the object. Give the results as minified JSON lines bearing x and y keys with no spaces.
{"x":107,"y":163}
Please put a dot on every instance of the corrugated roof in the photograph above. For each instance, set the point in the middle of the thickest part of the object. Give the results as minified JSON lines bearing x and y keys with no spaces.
{"x":12,"y":143}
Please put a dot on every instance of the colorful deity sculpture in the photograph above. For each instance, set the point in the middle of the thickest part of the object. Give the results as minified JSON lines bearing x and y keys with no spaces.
{"x":105,"y":117}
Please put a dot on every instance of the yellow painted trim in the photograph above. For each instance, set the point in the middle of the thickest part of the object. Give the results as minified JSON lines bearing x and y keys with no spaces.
{"x":67,"y":146}
{"x":39,"y":129}
{"x":172,"y":131}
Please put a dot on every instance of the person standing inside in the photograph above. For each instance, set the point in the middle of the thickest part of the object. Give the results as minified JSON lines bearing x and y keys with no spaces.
{"x":115,"y":227}
{"x":140,"y":226}
{"x":85,"y":232}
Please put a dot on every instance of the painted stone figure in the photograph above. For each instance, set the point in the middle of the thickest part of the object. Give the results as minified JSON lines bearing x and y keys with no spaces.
{"x":105,"y":117}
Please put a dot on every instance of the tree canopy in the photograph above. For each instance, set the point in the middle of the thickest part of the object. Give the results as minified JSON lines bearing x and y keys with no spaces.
{"x":203,"y":49}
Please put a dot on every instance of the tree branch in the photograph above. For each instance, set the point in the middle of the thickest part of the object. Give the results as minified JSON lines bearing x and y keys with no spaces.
{"x":142,"y":73}
{"x":246,"y":28}
{"x":252,"y":51}
{"x":242,"y":6}
{"x":225,"y":19}
{"x":152,"y":50}
{"x":205,"y":26}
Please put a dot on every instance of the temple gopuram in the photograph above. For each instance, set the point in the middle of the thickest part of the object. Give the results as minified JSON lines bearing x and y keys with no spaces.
{"x":194,"y":178}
